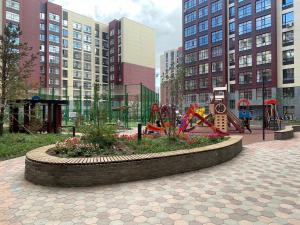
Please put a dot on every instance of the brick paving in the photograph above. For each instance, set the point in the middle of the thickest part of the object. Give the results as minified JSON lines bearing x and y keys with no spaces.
{"x":260,"y":186}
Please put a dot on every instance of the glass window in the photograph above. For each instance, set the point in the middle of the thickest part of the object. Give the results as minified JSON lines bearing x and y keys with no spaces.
{"x":65,"y":33}
{"x":245,"y":77}
{"x":263,"y":73}
{"x":65,"y":43}
{"x":216,"y":21}
{"x":190,"y":44}
{"x":189,"y":31}
{"x":77,"y":35}
{"x":87,"y":29}
{"x":87,"y":47}
{"x":191,"y":58}
{"x":247,"y":94}
{"x":263,"y":22}
{"x":54,"y":17}
{"x":54,"y":49}
{"x":190,"y":85}
{"x":203,"y":68}
{"x":53,"y":59}
{"x":288,"y":57}
{"x":202,"y":1}
{"x":263,"y":40}
{"x":203,"y":26}
{"x":77,"y":26}
{"x":231,"y":12}
{"x":288,"y":92}
{"x":190,"y":4}
{"x":288,"y":38}
{"x":217,"y":81}
{"x":263,"y":57}
{"x":203,"y":82}
{"x":268,"y":93}
{"x":231,"y":28}
{"x":245,"y":60}
{"x":77,"y":45}
{"x":288,"y":19}
{"x":245,"y":44}
{"x":245,"y":11}
{"x":217,"y":51}
{"x":245,"y":27}
{"x":262,"y":5}
{"x":288,"y":76}
{"x":203,"y":40}
{"x":190,"y":17}
{"x":54,"y":38}
{"x":216,"y":6}
{"x":216,"y":67}
{"x":231,"y":59}
{"x":12,"y":16}
{"x":13,"y":5}
{"x":203,"y":54}
{"x":287,"y":3}
{"x":216,"y":36}
{"x":191,"y":71}
{"x":203,"y":11}
{"x":53,"y":28}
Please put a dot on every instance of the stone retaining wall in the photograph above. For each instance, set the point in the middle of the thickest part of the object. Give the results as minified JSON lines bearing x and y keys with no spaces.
{"x":287,"y":133}
{"x":43,"y":169}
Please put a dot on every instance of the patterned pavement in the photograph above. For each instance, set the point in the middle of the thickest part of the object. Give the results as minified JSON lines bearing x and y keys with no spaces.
{"x":260,"y":186}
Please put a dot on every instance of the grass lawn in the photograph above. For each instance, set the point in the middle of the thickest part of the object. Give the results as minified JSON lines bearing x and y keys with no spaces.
{"x":15,"y":145}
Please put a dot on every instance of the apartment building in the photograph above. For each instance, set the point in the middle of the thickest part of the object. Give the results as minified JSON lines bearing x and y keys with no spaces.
{"x":77,"y":52}
{"x":237,"y":43}
{"x":169,"y":62}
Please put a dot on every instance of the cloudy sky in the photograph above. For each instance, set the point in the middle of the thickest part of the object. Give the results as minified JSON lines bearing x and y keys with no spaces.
{"x":162,"y":15}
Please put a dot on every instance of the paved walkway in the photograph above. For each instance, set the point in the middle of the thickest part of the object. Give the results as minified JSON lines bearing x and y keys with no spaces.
{"x":260,"y":186}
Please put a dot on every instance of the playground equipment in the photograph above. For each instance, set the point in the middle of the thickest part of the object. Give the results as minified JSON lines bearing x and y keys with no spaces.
{"x":192,"y":112}
{"x":271,"y":115}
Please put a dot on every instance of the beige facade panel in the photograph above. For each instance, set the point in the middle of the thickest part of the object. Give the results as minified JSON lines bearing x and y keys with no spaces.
{"x":138,"y":43}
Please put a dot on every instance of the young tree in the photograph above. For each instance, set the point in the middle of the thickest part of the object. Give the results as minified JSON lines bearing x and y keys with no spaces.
{"x":16,"y":64}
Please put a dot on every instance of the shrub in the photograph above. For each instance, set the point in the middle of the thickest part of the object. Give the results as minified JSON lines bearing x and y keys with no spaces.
{"x":103,"y":135}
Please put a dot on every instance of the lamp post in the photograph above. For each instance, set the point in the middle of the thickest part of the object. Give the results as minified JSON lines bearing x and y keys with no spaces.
{"x":263,"y":105}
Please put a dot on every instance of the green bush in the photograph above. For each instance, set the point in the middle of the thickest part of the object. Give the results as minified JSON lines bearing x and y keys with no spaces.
{"x":103,"y":135}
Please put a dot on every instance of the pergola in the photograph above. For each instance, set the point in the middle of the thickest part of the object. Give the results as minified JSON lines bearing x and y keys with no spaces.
{"x":50,"y":108}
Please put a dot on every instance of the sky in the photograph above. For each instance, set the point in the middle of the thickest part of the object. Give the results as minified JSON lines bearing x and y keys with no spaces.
{"x":162,"y":15}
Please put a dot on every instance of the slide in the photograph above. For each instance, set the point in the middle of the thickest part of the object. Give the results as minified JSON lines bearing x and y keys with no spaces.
{"x":235,"y":121}
{"x":199,"y":123}
{"x":210,"y":125}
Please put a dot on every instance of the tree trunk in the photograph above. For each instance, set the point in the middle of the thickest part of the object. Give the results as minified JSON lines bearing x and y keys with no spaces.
{"x":1,"y":121}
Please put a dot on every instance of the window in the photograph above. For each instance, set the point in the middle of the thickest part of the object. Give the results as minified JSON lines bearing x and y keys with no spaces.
{"x":288,"y":38}
{"x":54,"y":49}
{"x":203,"y":40}
{"x":203,"y":68}
{"x":12,"y":16}
{"x":87,"y":66}
{"x":232,"y":74}
{"x":288,"y":57}
{"x":231,"y":28}
{"x":65,"y":43}
{"x":263,"y":22}
{"x":232,"y":104}
{"x":268,"y":93}
{"x":189,"y":31}
{"x":245,"y":60}
{"x":231,"y":12}
{"x":202,"y":1}
{"x":245,"y":27}
{"x":287,"y":3}
{"x":288,"y":92}
{"x":216,"y":6}
{"x":42,"y":58}
{"x":77,"y":35}
{"x":190,"y":17}
{"x":203,"y":26}
{"x":53,"y":59}
{"x":65,"y":53}
{"x":77,"y":65}
{"x":216,"y":36}
{"x":77,"y":74}
{"x":217,"y":51}
{"x":232,"y":43}
{"x":42,"y":48}
{"x":190,"y":44}
{"x":65,"y":63}
{"x":54,"y":17}
{"x":288,"y":19}
{"x":216,"y":67}
{"x":288,"y":76}
{"x":190,"y":4}
{"x":87,"y":29}
{"x":262,"y":5}
{"x":53,"y":28}
{"x":54,"y":38}
{"x":245,"y":44}
{"x":204,"y":97}
{"x":191,"y":71}
{"x":266,"y":73}
{"x":42,"y":16}
{"x":263,"y":57}
{"x":191,"y":58}
{"x":87,"y":47}
{"x":190,"y":85}
{"x":217,"y":81}
{"x":216,"y":21}
{"x":53,"y":70}
{"x":42,"y":37}
{"x":13,"y":5}
{"x":203,"y":11}
{"x":42,"y":26}
{"x":203,"y":54}
{"x":77,"y":26}
{"x":77,"y":55}
{"x":247,"y":93}
{"x":232,"y":59}
{"x":77,"y":45}
{"x":203,"y":83}
{"x":88,"y":38}
{"x":65,"y":33}
{"x":245,"y":77}
{"x":263,"y":40}
{"x":244,"y":11}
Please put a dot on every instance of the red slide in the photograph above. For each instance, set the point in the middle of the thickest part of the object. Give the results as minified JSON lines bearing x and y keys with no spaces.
{"x":210,"y":125}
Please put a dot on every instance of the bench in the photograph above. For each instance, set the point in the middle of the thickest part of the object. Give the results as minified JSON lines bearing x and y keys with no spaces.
{"x":285,"y":134}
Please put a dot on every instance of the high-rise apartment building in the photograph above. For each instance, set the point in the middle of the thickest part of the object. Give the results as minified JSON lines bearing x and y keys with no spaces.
{"x":76,"y":52}
{"x":169,"y":64}
{"x":237,"y":43}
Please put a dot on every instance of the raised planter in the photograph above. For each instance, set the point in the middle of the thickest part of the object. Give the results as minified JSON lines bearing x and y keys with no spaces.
{"x":285,"y":134}
{"x":43,"y":169}
{"x":296,"y":128}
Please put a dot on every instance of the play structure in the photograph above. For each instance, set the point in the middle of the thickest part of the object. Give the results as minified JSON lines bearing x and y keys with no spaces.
{"x":272,"y":120}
